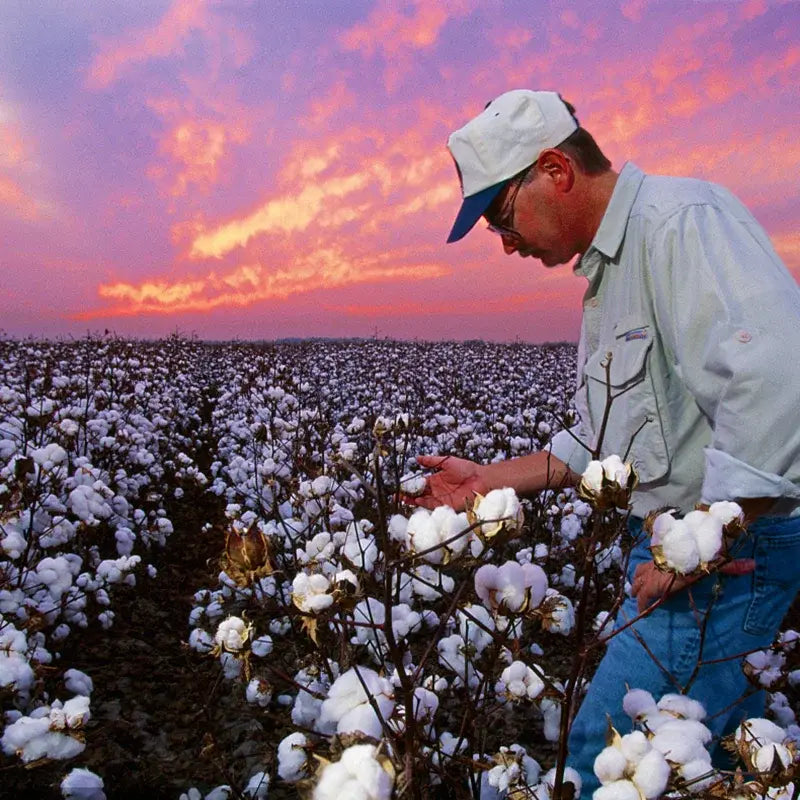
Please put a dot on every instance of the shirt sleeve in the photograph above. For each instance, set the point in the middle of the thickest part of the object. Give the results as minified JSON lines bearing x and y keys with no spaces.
{"x":566,"y":447}
{"x":729,"y":312}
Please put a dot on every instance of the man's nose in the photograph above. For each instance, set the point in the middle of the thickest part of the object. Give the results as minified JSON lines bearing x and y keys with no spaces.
{"x":510,"y":246}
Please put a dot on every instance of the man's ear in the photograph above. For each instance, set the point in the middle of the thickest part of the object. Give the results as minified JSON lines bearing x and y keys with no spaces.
{"x":558,"y":167}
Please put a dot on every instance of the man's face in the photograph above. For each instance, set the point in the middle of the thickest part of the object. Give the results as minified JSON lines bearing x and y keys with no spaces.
{"x":533,"y":220}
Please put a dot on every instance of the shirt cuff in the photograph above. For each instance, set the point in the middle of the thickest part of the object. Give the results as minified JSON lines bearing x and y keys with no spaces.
{"x":727,"y":478}
{"x":565,"y":448}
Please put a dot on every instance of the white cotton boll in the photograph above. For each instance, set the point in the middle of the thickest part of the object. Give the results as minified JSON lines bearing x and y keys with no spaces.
{"x":536,"y":583}
{"x":231,"y":666}
{"x":13,"y":541}
{"x":652,"y":775}
{"x":232,"y":634}
{"x":413,"y":484}
{"x":781,"y":710}
{"x":679,"y":705}
{"x":675,"y":745}
{"x":258,"y":786}
{"x":398,"y":526}
{"x":571,"y":527}
{"x":637,"y":703}
{"x":661,"y":524}
{"x":770,"y":755}
{"x":551,"y":715}
{"x":223,"y":792}
{"x":485,"y":579}
{"x":405,"y":621}
{"x":360,"y":551}
{"x":679,"y":548}
{"x":76,"y":712}
{"x":258,"y":693}
{"x":618,"y":790}
{"x":616,"y":470}
{"x":499,"y":509}
{"x":348,"y":706}
{"x":55,"y":574}
{"x":726,"y":511}
{"x":426,"y":703}
{"x":699,"y":773}
{"x":49,"y":457}
{"x":571,"y":775}
{"x":592,"y":477}
{"x":519,"y":681}
{"x":708,"y":535}
{"x":610,"y":765}
{"x":201,"y":641}
{"x":560,"y":617}
{"x":356,"y":776}
{"x":262,"y":646}
{"x":310,"y":593}
{"x":758,"y":732}
{"x":634,"y":746}
{"x":292,"y":759}
{"x":78,"y":682}
{"x":82,"y":784}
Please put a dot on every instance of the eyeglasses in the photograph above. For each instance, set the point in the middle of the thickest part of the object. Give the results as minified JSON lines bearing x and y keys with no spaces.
{"x":506,"y":230}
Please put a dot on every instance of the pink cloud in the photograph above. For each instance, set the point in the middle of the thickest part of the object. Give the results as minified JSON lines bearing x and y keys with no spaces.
{"x":165,"y":38}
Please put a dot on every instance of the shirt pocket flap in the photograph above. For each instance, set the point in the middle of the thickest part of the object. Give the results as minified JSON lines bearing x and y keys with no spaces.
{"x":627,"y":365}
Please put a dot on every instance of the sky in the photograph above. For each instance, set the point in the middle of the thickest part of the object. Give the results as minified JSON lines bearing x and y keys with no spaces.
{"x":259,"y":169}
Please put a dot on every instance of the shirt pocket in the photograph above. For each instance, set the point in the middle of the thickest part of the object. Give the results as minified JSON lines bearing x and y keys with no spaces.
{"x":634,"y":423}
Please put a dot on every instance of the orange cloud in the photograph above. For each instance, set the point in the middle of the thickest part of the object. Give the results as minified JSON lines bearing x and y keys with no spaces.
{"x":787,"y":245}
{"x":248,"y":284}
{"x":14,"y":198}
{"x":197,"y":146}
{"x":284,"y":214}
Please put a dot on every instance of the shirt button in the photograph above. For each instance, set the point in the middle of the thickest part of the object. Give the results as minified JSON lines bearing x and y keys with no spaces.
{"x":592,"y":303}
{"x":744,"y":336}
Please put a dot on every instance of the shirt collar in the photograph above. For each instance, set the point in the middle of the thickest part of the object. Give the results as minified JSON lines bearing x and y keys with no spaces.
{"x":611,"y":231}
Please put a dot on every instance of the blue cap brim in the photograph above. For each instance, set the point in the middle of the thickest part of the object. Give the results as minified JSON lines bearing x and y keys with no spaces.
{"x":472,"y":209}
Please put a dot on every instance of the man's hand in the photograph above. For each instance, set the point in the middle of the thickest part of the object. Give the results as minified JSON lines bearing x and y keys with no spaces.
{"x":454,"y":481}
{"x":650,"y":584}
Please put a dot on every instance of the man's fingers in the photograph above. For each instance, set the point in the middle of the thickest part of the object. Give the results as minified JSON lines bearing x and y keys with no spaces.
{"x":739,"y":566}
{"x":431,"y":462}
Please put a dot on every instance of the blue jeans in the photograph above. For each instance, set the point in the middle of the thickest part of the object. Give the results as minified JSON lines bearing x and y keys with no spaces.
{"x":719,"y":617}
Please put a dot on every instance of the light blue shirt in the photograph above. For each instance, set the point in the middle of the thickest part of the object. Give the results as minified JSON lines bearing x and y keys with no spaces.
{"x":702,"y":323}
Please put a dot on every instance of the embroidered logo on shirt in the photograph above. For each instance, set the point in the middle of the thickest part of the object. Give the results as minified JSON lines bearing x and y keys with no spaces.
{"x":636,"y":333}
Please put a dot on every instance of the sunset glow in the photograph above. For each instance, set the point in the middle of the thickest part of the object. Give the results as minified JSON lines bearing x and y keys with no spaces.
{"x":262,"y":170}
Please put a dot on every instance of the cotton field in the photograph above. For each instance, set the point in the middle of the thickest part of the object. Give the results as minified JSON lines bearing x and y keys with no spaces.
{"x":375,"y":649}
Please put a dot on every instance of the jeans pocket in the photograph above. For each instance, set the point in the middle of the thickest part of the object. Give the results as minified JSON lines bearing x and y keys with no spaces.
{"x":776,"y":581}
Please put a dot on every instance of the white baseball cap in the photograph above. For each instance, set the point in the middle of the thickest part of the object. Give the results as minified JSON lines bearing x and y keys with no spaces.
{"x":504,"y":139}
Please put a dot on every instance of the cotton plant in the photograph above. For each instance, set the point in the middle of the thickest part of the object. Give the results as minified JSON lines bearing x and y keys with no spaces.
{"x":668,"y":754}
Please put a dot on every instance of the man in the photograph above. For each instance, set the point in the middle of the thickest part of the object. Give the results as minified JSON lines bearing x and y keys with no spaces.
{"x":701,"y":321}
